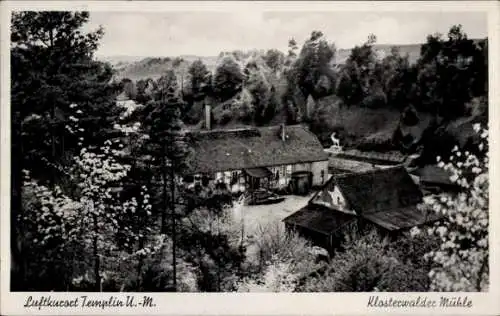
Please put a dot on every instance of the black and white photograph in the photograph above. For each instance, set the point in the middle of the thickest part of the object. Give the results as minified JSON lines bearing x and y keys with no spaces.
{"x":249,"y":151}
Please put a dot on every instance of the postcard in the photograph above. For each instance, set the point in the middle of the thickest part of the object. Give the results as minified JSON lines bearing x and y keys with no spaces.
{"x":277,"y":158}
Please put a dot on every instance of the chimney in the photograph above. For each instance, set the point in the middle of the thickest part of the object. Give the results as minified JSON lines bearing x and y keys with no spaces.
{"x":282,"y":132}
{"x":208,"y":116}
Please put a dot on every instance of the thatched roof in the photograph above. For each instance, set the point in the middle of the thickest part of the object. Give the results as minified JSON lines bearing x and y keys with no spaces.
{"x":236,"y":149}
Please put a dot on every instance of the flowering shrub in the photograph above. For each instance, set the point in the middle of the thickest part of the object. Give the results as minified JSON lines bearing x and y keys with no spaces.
{"x":49,"y":222}
{"x":278,"y":277}
{"x":461,"y":262}
{"x":279,"y":259}
{"x":92,"y":220}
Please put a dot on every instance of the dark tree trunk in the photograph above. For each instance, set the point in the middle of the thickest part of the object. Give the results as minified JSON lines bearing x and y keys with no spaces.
{"x":97,"y":261}
{"x":174,"y":229}
{"x":164,"y":193}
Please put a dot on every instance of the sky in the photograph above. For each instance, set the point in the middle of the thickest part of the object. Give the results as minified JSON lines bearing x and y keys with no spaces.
{"x":209,"y":33}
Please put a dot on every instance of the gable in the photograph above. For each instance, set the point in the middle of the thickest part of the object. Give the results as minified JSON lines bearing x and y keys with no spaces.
{"x":331,"y":197}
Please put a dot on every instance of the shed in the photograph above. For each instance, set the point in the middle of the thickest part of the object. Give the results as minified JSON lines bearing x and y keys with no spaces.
{"x":435,"y":179}
{"x":387,"y":199}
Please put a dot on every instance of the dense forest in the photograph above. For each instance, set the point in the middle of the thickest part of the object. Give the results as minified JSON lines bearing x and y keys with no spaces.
{"x":96,"y":205}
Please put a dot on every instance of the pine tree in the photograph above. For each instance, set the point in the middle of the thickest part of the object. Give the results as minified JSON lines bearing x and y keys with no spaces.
{"x":168,"y":147}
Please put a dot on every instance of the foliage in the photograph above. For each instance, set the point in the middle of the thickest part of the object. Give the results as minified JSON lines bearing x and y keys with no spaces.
{"x":211,"y":240}
{"x":228,"y":78}
{"x":258,"y":86}
{"x":292,"y":52}
{"x":200,"y":79}
{"x":462,"y":258}
{"x":368,"y":264}
{"x":359,"y":76}
{"x":312,"y":64}
{"x":145,"y":90}
{"x":278,"y":277}
{"x":129,"y":88}
{"x":450,"y":73}
{"x":274,"y":59}
{"x":280,"y":259}
{"x":52,"y":67}
{"x":47,"y":222}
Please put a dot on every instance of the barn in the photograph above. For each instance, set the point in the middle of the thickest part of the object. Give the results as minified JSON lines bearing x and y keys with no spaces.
{"x":386,"y":199}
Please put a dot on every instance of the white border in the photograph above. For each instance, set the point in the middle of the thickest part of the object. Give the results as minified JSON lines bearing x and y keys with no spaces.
{"x":254,"y":304}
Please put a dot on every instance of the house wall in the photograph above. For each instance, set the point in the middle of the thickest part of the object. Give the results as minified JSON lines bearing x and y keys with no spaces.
{"x":320,"y":172}
{"x":333,"y":199}
{"x":234,"y":180}
{"x":280,"y":179}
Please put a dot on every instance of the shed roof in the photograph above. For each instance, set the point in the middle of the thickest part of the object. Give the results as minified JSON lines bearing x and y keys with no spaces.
{"x":378,"y":189}
{"x":434,"y":174}
{"x":259,"y":172}
{"x":318,"y":218}
{"x":402,"y":218}
{"x":222,"y":150}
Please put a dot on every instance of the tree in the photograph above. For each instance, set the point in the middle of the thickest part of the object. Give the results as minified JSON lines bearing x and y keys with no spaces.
{"x":461,"y":262}
{"x":312,"y":63}
{"x":370,"y":263}
{"x":397,"y":77}
{"x":280,"y":262}
{"x":450,"y":73}
{"x":211,"y":240}
{"x":274,"y":59}
{"x":145,"y":88}
{"x":52,"y":68}
{"x":168,"y":147}
{"x":292,"y":48}
{"x":359,"y":75}
{"x":228,"y":78}
{"x":200,"y":79}
{"x":257,"y":84}
{"x":129,"y":88}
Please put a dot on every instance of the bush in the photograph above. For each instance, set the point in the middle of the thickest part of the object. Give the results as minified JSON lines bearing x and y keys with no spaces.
{"x":369,"y":264}
{"x":273,"y":240}
{"x":225,"y":117}
{"x":281,"y":260}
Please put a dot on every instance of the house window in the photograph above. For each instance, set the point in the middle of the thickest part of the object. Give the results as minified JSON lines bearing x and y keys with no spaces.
{"x":227,"y":177}
{"x":234,"y":177}
{"x":322,"y":176}
{"x":188,"y":179}
{"x":205,"y":180}
{"x":197,"y":179}
{"x":288,"y":173}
